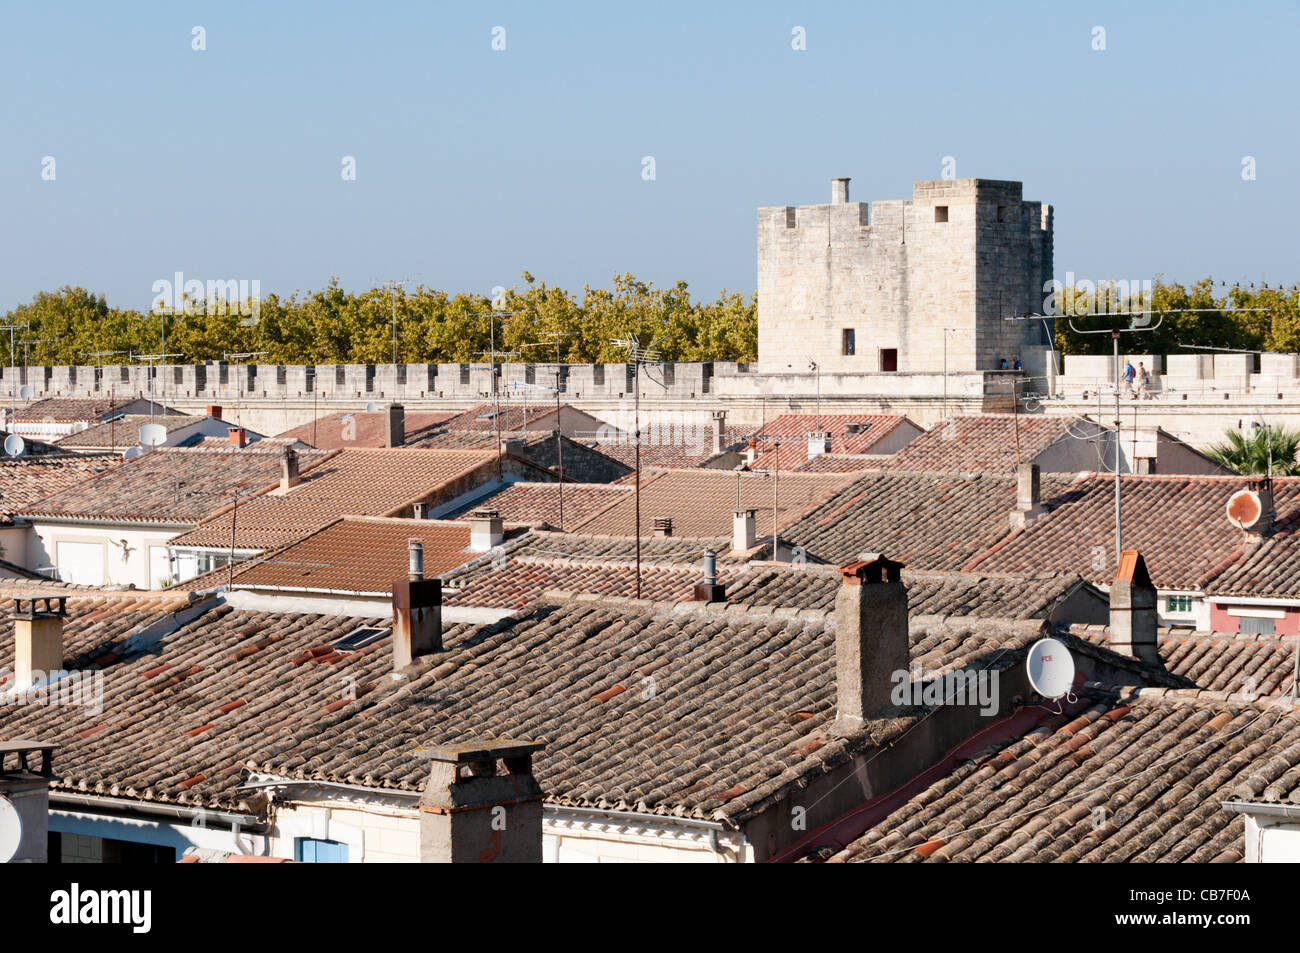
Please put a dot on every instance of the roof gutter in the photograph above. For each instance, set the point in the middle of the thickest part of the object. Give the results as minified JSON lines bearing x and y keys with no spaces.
{"x":178,"y":812}
{"x":1262,"y":809}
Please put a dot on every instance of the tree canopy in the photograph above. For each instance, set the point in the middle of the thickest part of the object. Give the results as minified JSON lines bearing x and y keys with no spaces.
{"x":334,"y":326}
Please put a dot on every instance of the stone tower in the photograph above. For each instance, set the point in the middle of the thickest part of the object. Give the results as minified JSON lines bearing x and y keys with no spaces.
{"x":870,"y":287}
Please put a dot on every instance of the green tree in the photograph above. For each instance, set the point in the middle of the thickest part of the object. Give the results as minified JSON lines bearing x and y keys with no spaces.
{"x":1251,"y":455}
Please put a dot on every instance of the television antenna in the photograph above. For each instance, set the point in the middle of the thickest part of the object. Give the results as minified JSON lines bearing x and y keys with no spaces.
{"x":393,"y":284}
{"x":492,"y":343}
{"x":151,"y":359}
{"x":1114,"y":334}
{"x":554,"y":338}
{"x":639,"y":356}
{"x":13,"y":378}
{"x":239,"y":357}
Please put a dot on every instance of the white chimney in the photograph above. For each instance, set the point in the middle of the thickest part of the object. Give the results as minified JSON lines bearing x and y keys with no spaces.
{"x":486,"y":530}
{"x":289,"y":468}
{"x":744,"y":533}
{"x":1029,"y":504}
{"x":818,"y":443}
{"x":839,"y":191}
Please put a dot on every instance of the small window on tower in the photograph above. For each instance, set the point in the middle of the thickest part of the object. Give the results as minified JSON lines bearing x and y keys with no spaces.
{"x":941,"y":213}
{"x":849,"y":346}
{"x":1002,"y":211}
{"x":889,"y":359}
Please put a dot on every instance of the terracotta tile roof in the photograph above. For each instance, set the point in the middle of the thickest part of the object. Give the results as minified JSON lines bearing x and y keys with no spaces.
{"x":513,"y":416}
{"x":1220,"y":661}
{"x":673,"y":445}
{"x":926,"y":520}
{"x":73,"y":409}
{"x":928,"y":593}
{"x":739,"y":718}
{"x":841,"y":463}
{"x":984,"y":443}
{"x":25,"y":480}
{"x":360,"y":555}
{"x":1177,"y":522}
{"x":539,"y":503}
{"x":1157,"y":764}
{"x":363,"y":430}
{"x":850,"y":433}
{"x":124,"y":431}
{"x":355,"y":481}
{"x":167,"y":485}
{"x":701,"y":502}
{"x":1267,"y":566}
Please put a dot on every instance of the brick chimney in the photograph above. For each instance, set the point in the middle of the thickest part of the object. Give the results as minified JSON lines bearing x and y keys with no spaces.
{"x":744,"y":531}
{"x":1028,"y":496}
{"x":38,"y":637}
{"x":476,"y":811}
{"x":1133,"y":617}
{"x":27,"y":787}
{"x":486,"y":530}
{"x":719,"y":435}
{"x":709,"y":589}
{"x":237,"y":436}
{"x":289,"y":468}
{"x":395,"y":426}
{"x":871,"y":639}
{"x":417,"y":612}
{"x":663,"y":526}
{"x":839,"y":191}
{"x":214,"y":411}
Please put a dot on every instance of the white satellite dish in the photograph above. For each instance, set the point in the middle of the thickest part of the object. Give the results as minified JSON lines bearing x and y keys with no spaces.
{"x":1051,"y":668}
{"x":132,"y":452}
{"x":153,"y":435}
{"x":15,"y":445}
{"x":371,"y":407}
{"x":11,"y":830}
{"x":25,"y":392}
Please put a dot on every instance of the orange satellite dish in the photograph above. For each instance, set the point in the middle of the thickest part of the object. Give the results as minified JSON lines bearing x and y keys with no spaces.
{"x":1245,"y":508}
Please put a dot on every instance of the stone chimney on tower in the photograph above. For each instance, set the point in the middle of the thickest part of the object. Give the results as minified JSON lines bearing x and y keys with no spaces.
{"x":871,"y":639}
{"x":839,"y":191}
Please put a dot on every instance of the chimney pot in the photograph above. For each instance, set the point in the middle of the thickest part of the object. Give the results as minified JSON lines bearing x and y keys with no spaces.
{"x":663,"y":526}
{"x":416,"y":552}
{"x":871,"y":639}
{"x":818,"y":443}
{"x":395,"y":426}
{"x":420,"y":511}
{"x":710,"y":590}
{"x":237,"y":436}
{"x":839,"y":191}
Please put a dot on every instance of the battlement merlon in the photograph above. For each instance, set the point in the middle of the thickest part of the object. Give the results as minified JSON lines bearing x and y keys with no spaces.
{"x":925,"y":194}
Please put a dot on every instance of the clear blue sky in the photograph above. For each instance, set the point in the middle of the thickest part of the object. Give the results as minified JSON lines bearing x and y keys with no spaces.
{"x":473,"y":165}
